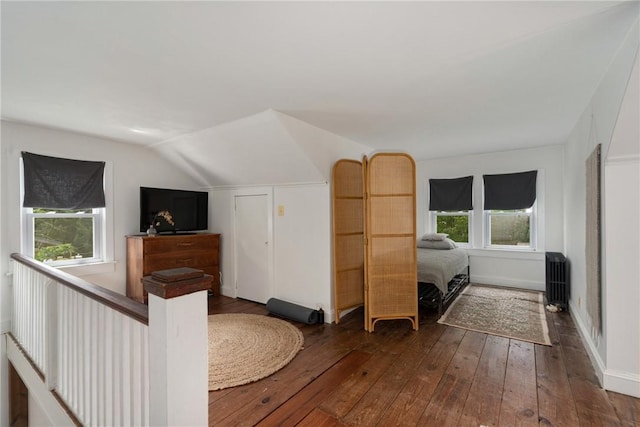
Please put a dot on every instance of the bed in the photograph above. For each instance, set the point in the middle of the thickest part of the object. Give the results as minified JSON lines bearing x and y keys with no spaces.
{"x":442,"y":274}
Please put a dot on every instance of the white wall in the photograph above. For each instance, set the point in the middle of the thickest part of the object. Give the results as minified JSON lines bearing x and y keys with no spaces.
{"x":4,"y":262}
{"x":303,"y":246}
{"x":499,"y":267}
{"x":301,"y":249}
{"x":300,"y":270}
{"x":622,"y":244}
{"x":268,"y":148}
{"x":615,"y":353}
{"x":622,"y":277}
{"x":132,"y":166}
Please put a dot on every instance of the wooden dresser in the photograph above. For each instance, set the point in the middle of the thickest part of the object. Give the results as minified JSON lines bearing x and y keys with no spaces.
{"x":148,"y":254}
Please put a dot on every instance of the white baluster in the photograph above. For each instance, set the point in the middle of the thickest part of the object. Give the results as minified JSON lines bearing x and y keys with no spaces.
{"x":51,"y":334}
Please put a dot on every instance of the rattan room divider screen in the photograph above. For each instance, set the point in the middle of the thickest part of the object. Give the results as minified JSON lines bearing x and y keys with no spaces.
{"x":348,"y":235}
{"x":374,"y":225}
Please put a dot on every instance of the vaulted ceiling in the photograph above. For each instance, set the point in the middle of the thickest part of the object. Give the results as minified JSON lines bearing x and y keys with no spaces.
{"x":431,"y":78}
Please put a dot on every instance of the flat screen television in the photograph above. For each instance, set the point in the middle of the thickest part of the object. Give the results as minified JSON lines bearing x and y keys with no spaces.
{"x":189,"y":209}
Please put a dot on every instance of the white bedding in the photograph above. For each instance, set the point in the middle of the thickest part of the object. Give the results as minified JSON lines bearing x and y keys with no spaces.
{"x":439,"y":266}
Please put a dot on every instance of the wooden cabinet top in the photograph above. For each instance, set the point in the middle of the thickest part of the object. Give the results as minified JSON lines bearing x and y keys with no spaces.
{"x":171,"y":236}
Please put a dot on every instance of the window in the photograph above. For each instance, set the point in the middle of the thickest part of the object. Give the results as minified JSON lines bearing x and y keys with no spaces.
{"x":456,"y":224}
{"x":510,"y":228}
{"x":63,"y":210}
{"x":64,"y":237}
{"x":450,"y":203}
{"x":509,"y":210}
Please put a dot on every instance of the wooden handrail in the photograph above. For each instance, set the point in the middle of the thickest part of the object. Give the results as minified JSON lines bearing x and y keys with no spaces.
{"x":114,"y":300}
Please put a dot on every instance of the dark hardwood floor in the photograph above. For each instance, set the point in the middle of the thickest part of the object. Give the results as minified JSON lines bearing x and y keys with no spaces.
{"x":437,"y":376}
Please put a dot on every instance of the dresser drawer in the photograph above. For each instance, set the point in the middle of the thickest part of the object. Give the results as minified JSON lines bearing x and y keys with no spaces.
{"x":177,"y":259}
{"x":164,"y":244}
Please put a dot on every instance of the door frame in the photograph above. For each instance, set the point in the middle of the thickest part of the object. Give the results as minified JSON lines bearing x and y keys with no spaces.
{"x":254,"y":191}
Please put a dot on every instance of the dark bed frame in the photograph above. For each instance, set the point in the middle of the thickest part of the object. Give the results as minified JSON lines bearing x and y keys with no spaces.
{"x":431,"y":297}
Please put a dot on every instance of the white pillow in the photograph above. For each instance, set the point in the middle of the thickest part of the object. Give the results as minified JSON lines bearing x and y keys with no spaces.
{"x":437,"y":244}
{"x":435,"y":236}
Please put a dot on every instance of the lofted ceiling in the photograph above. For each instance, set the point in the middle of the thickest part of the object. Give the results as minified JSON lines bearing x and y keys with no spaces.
{"x":434,"y":79}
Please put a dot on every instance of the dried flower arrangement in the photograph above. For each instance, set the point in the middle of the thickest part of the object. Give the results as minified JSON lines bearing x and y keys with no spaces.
{"x":163,"y":214}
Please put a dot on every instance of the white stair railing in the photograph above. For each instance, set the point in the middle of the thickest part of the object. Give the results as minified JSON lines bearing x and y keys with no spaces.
{"x":29,"y":313}
{"x":103,"y":367}
{"x":93,"y":356}
{"x":86,"y":350}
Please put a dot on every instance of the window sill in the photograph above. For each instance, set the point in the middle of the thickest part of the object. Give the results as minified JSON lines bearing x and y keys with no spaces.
{"x":526,"y":254}
{"x":80,"y":270}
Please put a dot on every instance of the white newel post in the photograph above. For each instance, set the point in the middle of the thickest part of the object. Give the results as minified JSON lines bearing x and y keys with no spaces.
{"x":178,"y":351}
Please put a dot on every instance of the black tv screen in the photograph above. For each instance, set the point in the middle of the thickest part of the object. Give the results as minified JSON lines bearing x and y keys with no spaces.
{"x":189,"y":209}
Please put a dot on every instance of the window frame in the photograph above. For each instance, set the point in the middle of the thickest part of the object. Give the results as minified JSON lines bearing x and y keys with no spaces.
{"x":531,"y":212}
{"x":98,"y":216}
{"x":469,"y":214}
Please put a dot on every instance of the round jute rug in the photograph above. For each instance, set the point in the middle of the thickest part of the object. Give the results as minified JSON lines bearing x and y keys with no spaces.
{"x":247,"y":347}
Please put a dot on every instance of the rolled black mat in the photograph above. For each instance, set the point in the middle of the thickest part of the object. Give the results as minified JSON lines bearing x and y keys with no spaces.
{"x":292,"y":311}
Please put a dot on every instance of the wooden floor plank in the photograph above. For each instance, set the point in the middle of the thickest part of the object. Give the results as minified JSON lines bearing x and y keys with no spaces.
{"x":592,"y":402}
{"x":369,"y":409}
{"x":357,"y":385}
{"x":390,"y":339}
{"x":555,"y":400}
{"x":562,"y":320}
{"x":251,"y":404}
{"x":319,"y":418}
{"x":298,"y":407}
{"x":448,"y":400}
{"x":485,"y":396}
{"x":412,"y":400}
{"x":627,"y":408}
{"x":431,"y":371}
{"x":520,"y":398}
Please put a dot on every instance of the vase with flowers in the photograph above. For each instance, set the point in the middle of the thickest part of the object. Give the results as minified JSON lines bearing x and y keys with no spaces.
{"x":166,"y":215}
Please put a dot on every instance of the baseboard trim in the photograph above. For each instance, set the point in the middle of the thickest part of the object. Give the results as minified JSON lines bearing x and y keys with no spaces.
{"x":329,"y":316}
{"x":227,"y":291}
{"x":507,"y":281}
{"x":329,"y":313}
{"x":592,"y":351}
{"x":612,"y":380}
{"x":622,"y":382}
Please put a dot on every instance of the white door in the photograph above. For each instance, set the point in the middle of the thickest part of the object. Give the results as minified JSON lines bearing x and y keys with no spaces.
{"x":253,"y":280}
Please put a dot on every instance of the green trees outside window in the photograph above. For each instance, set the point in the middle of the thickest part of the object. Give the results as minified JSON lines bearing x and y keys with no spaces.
{"x":456,"y":226}
{"x":62,"y":235}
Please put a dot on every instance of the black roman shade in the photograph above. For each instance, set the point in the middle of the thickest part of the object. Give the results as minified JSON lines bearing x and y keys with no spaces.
{"x":451,"y":194}
{"x":52,"y":182}
{"x":510,"y":191}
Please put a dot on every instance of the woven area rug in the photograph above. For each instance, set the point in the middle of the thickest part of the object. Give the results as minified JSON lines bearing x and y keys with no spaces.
{"x":247,"y":347}
{"x":506,"y":312}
